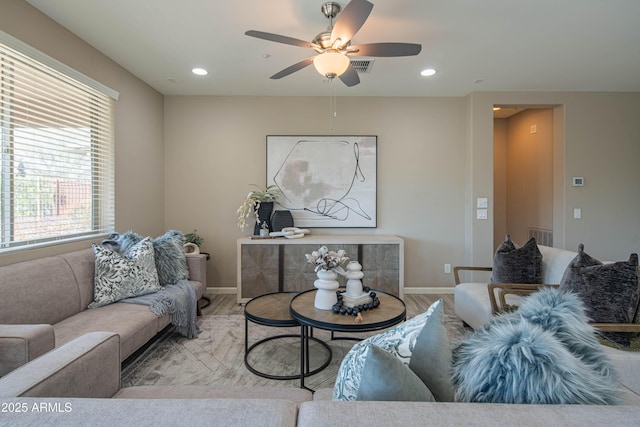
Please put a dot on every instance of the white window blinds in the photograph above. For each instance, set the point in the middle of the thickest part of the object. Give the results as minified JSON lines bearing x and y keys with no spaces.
{"x":57,"y":151}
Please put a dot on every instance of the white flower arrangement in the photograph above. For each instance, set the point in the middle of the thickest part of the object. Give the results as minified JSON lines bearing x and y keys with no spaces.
{"x":325,"y":259}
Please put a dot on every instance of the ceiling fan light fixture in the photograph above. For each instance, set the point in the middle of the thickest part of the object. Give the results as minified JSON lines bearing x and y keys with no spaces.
{"x":331,"y":64}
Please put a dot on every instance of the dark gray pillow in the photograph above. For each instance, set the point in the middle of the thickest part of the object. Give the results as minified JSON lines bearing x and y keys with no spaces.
{"x":386,"y":378}
{"x":610,"y":292}
{"x":517,"y":265}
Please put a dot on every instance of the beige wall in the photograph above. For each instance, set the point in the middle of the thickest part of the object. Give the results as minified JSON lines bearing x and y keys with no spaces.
{"x":215,"y":148}
{"x":138,"y":125}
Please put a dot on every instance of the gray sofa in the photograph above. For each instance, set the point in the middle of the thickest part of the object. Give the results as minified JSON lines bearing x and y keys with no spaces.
{"x":44,"y":305}
{"x":79,"y":384}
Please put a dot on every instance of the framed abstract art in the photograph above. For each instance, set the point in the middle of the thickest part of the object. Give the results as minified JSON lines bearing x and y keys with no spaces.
{"x":325,"y":181}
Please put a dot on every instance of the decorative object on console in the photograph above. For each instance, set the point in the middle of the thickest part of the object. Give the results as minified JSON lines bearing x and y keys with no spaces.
{"x":327,"y":265}
{"x":610,"y":292}
{"x":517,"y":265}
{"x":325,"y":181}
{"x":252,"y":204}
{"x":281,"y":219}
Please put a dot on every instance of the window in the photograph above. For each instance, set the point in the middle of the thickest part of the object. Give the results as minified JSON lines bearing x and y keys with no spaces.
{"x":56,"y":158}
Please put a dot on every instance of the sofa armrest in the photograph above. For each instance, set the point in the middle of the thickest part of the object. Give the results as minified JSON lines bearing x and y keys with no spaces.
{"x":88,"y":366}
{"x":19,"y":344}
{"x":197,"y":265}
{"x":457,"y":269}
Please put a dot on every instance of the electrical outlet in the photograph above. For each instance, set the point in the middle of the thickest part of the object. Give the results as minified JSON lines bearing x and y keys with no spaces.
{"x":481,"y":214}
{"x":447,"y":268}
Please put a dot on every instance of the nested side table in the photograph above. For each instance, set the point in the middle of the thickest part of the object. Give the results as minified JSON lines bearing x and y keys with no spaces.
{"x":391,"y":311}
{"x":273,"y":310}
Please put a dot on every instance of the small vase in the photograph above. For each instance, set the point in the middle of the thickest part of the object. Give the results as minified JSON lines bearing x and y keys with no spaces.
{"x":264,"y":215}
{"x":354,"y":275}
{"x":281,"y":219}
{"x":327,"y":285}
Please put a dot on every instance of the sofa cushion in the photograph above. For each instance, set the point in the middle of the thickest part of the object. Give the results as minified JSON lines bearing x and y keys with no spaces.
{"x":517,"y":265}
{"x":386,"y":378}
{"x":135,"y":324}
{"x":398,"y":341}
{"x":122,"y":276}
{"x":27,"y":290}
{"x":515,"y":361}
{"x":609,"y":291}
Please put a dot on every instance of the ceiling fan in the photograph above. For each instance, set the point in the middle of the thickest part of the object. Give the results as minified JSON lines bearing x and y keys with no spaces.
{"x":333,"y":46}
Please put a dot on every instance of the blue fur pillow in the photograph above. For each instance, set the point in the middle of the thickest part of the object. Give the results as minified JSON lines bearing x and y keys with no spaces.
{"x":564,"y":315}
{"x":543,"y":354}
{"x":171,"y":261}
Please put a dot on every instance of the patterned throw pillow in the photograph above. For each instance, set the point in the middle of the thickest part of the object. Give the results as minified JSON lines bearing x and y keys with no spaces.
{"x":610,"y":292}
{"x":398,"y":341}
{"x":517,"y":265}
{"x":122,"y":276}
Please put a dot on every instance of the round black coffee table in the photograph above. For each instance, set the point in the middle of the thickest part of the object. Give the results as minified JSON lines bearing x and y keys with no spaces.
{"x":273,"y":310}
{"x":391,"y":311}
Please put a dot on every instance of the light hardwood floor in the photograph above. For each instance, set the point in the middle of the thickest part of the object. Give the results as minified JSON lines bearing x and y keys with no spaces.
{"x":225,"y":304}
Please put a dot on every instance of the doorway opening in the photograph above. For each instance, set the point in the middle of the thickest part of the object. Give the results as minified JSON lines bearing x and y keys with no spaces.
{"x":528,"y":174}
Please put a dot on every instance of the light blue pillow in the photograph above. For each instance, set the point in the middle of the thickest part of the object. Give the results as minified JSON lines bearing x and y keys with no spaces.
{"x":398,"y":341}
{"x":386,"y":378}
{"x":431,"y":358}
{"x":122,"y":276}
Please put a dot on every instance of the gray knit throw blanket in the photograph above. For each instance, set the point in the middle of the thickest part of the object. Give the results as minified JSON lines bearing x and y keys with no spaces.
{"x":178,"y":301}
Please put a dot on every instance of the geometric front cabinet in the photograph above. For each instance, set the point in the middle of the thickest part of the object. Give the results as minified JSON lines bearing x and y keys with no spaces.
{"x":277,"y":265}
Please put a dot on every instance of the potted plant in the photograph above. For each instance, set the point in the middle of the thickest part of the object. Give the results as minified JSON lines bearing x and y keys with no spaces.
{"x":194,"y":238}
{"x":259,"y":203}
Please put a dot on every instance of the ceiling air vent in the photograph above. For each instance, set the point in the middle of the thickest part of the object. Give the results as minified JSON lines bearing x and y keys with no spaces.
{"x":362,"y":65}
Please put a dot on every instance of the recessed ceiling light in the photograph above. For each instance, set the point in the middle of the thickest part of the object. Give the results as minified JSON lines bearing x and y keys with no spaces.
{"x":428,"y":72}
{"x":200,"y":71}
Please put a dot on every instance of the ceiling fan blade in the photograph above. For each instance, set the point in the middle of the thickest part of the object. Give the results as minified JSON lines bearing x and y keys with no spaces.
{"x":293,"y":68}
{"x":386,"y":49}
{"x":350,"y":21}
{"x":278,"y":38}
{"x":350,"y":77}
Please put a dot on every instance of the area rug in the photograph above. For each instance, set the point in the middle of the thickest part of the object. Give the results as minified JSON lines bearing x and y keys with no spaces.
{"x":216,"y":356}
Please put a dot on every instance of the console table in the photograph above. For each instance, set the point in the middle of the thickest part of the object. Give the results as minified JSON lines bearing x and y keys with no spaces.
{"x":279,"y":265}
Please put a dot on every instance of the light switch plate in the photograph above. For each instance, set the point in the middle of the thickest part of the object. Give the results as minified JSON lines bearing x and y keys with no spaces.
{"x":481,"y":214}
{"x":482,"y":202}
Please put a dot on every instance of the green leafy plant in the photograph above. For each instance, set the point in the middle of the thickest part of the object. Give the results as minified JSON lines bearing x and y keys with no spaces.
{"x":194,"y":238}
{"x":252,"y":202}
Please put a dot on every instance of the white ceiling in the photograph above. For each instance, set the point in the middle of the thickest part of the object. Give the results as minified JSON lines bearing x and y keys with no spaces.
{"x":476,"y":45}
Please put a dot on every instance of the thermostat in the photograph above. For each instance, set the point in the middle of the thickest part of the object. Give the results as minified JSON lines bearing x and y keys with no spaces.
{"x":578,"y":181}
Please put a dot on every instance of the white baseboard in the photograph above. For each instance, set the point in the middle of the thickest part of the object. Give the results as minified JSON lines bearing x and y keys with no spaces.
{"x":215,"y":291}
{"x":441,"y":290}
